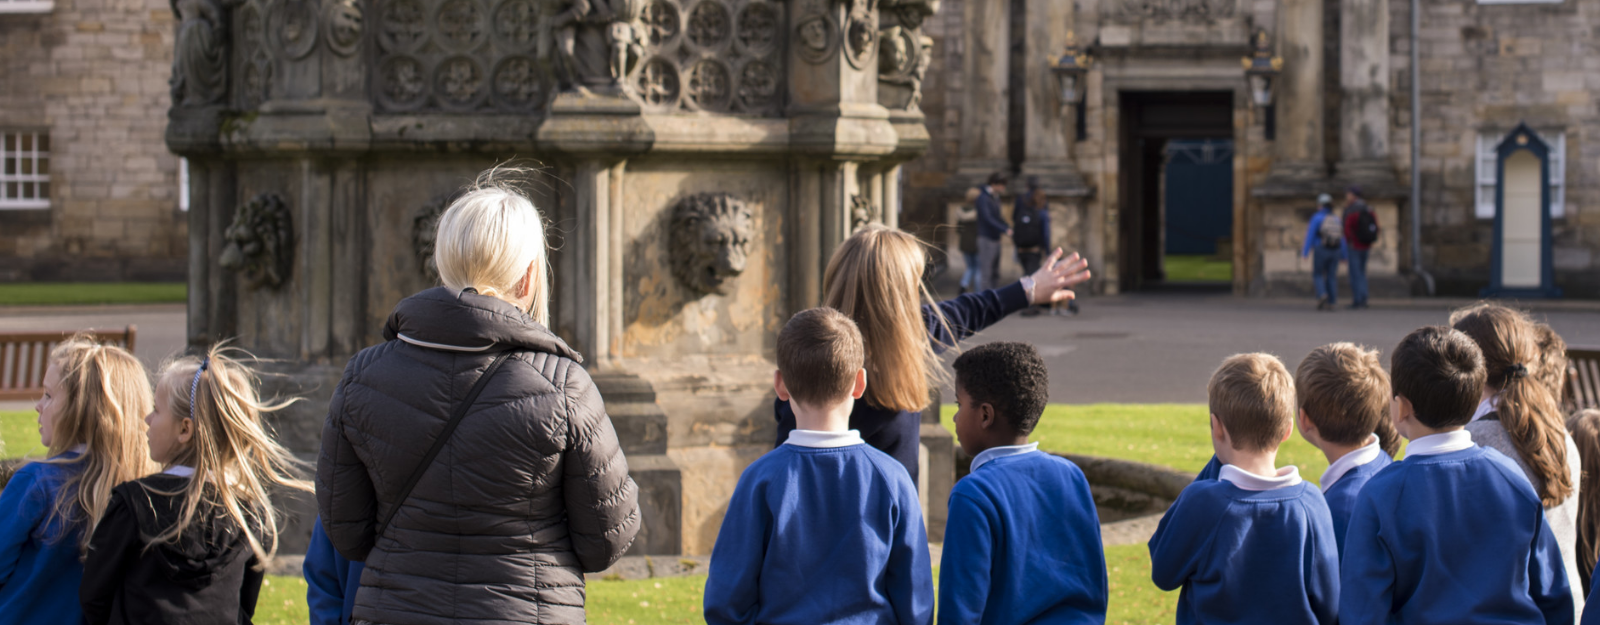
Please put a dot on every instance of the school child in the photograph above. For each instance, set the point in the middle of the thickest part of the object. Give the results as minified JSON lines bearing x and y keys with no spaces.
{"x":1255,"y":545}
{"x":94,"y":397}
{"x":1453,"y":533}
{"x":331,"y":580}
{"x":188,"y":544}
{"x":1551,"y":369}
{"x":823,"y":529}
{"x":1585,"y":428}
{"x":1343,"y":393}
{"x":1022,"y":543}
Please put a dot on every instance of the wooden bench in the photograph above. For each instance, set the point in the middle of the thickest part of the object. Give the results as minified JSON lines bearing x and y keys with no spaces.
{"x":23,"y":356}
{"x":1583,"y":379}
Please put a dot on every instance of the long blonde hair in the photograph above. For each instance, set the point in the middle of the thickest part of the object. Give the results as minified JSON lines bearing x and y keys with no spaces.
{"x":104,"y":396}
{"x":236,"y":460}
{"x":875,"y":278}
{"x":1527,"y":408}
{"x":489,"y":237}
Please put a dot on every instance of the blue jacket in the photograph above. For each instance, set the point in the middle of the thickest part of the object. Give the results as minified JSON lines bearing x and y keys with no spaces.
{"x":1458,"y":537}
{"x":816,"y":536}
{"x":1314,"y":233}
{"x":39,"y":567}
{"x":331,"y":580}
{"x":1248,"y":556}
{"x":1022,"y":545}
{"x":990,"y":225}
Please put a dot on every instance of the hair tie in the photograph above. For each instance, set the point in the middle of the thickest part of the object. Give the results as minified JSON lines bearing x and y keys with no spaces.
{"x":1517,"y":371}
{"x":195,"y":384}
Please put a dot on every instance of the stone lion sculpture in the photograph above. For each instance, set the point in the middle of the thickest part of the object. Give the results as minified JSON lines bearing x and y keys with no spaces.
{"x":710,"y":241}
{"x":424,"y":232}
{"x":260,"y":242}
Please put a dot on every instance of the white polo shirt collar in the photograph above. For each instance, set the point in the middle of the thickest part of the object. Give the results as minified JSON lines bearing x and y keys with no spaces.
{"x":1366,"y":453}
{"x":823,"y":440}
{"x":1286,"y":477}
{"x":1486,"y":406}
{"x":1442,"y":443}
{"x":1003,"y":451}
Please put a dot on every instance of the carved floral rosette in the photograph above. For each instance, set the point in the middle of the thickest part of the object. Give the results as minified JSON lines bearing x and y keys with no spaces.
{"x":459,"y":55}
{"x":713,"y":56}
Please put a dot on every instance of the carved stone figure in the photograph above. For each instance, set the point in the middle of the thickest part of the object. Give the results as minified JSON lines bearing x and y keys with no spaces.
{"x":594,"y":40}
{"x":200,"y":54}
{"x":903,"y":59}
{"x":260,"y":242}
{"x":344,"y":26}
{"x":425,"y":231}
{"x":862,"y":212}
{"x":817,"y":38}
{"x":710,"y":241}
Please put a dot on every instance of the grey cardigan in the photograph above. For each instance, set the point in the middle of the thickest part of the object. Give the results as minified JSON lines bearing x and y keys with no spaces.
{"x":530,"y":492}
{"x":1563,"y":518}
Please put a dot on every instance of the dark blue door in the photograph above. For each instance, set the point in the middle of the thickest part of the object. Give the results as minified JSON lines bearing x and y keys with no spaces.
{"x":1198,"y":195}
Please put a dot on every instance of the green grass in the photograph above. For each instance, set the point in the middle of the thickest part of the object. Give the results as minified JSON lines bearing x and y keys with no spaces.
{"x":74,"y":293}
{"x":282,"y":601}
{"x":1173,"y":435}
{"x":1197,"y":269}
{"x":19,"y":434}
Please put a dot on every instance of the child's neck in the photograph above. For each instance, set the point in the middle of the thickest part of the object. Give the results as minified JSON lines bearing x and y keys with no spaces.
{"x":1334,"y":451}
{"x":1417,"y":430}
{"x":832,"y":418}
{"x":1262,"y":463}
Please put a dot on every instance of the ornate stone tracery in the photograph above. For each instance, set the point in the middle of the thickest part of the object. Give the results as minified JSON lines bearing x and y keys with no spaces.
{"x":717,"y":56}
{"x":260,"y":242}
{"x":469,"y":56}
{"x":1173,"y":10}
{"x":710,"y":241}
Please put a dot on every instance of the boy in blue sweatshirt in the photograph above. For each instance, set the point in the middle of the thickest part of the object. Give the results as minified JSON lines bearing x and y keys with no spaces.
{"x":1454,"y":533}
{"x":331,"y":580}
{"x":1022,"y":543}
{"x":823,"y":529}
{"x":1255,"y":545}
{"x":1343,"y":393}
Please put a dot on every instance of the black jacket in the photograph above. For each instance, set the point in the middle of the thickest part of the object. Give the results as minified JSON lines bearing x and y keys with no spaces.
{"x":207,"y":577}
{"x":530,"y":492}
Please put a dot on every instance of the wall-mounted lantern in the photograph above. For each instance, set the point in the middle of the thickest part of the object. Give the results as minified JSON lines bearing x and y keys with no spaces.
{"x":1071,"y":72}
{"x":1261,"y":70}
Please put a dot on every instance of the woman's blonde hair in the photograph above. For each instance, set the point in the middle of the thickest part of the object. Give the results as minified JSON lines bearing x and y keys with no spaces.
{"x":489,"y":237}
{"x":236,"y":460}
{"x":103,"y":397}
{"x":1585,"y":428}
{"x":1527,"y":409}
{"x":875,"y":278}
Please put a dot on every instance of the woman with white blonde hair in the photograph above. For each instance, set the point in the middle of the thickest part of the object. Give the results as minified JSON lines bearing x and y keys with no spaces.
{"x":875,"y":278}
{"x":469,"y":460}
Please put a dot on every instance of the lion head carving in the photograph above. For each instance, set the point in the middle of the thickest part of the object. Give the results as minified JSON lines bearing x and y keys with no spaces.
{"x":425,"y":231}
{"x":710,"y":241}
{"x":260,"y":242}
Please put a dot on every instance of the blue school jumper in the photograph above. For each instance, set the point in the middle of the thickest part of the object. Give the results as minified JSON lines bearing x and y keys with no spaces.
{"x":1453,"y":537}
{"x":1022,"y":543}
{"x":1341,"y":496}
{"x":898,"y":432}
{"x":331,"y":580}
{"x":39,"y":567}
{"x":827,"y":533}
{"x":1591,"y":606}
{"x":1248,"y":556}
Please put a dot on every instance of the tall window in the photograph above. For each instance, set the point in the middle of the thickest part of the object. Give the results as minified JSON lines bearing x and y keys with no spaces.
{"x":1488,"y":172}
{"x":24,"y":170}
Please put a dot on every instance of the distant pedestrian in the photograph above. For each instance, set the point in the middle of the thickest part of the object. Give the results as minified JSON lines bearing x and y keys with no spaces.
{"x":1360,"y":232}
{"x":967,"y":234}
{"x":1030,"y":216}
{"x":1325,"y":246}
{"x":990,"y":228}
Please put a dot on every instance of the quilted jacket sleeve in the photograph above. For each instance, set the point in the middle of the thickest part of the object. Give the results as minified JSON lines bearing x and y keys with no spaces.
{"x":346,"y":497}
{"x":602,"y":501}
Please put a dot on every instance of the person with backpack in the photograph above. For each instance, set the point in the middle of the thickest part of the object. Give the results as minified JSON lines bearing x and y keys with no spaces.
{"x":1325,"y":246}
{"x":1030,"y":231}
{"x":1360,"y":231}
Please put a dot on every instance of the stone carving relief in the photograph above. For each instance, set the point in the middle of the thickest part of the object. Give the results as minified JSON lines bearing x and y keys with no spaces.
{"x":860,"y":32}
{"x":260,"y":242}
{"x":293,"y":24}
{"x":904,"y":53}
{"x":200,"y":53}
{"x":596,"y":42}
{"x":254,"y":69}
{"x":425,"y":231}
{"x":1170,"y":10}
{"x":465,"y":55}
{"x":516,"y":23}
{"x":713,"y":56}
{"x":710,"y":241}
{"x":460,"y":24}
{"x":862,"y":212}
{"x":460,"y":82}
{"x":343,"y":19}
{"x":817,"y":36}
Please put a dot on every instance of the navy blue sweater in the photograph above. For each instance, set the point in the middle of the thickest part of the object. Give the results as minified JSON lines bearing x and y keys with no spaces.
{"x":1342,"y":495}
{"x":816,"y":536}
{"x":39,"y":566}
{"x":990,"y":225}
{"x":1022,"y":545}
{"x":331,"y":580}
{"x":1245,"y":556}
{"x":1458,"y":537}
{"x":898,"y":432}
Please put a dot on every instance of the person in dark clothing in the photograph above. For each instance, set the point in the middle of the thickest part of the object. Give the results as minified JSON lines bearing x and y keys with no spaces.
{"x":1358,"y":251}
{"x":1030,"y":217}
{"x":875,"y":278}
{"x":990,"y":228}
{"x":967,"y":241}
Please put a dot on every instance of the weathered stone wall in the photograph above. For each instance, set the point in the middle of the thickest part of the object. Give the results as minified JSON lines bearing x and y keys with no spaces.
{"x":93,"y":74}
{"x":1485,"y":68}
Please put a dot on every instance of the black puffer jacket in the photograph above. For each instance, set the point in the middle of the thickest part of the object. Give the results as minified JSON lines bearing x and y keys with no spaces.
{"x":531,"y":491}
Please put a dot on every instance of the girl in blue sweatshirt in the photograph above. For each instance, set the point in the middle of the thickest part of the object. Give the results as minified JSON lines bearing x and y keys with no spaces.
{"x":875,"y":278}
{"x":89,"y":419}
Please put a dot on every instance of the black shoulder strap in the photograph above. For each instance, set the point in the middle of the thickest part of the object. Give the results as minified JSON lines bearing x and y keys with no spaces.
{"x":440,"y":440}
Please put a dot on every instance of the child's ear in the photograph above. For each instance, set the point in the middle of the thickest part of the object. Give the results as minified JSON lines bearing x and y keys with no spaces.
{"x":777,"y":385}
{"x":986,"y":415}
{"x":185,"y":431}
{"x":861,"y":384}
{"x":1303,"y":421}
{"x":1219,"y":434}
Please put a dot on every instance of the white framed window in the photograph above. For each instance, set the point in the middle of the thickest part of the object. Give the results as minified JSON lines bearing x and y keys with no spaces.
{"x":27,"y":6}
{"x":24,"y":169}
{"x":183,"y":184}
{"x":1487,"y":172}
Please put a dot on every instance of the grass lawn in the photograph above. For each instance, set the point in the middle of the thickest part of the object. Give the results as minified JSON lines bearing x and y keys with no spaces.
{"x":1197,"y":269}
{"x":19,"y":434}
{"x":73,"y":293}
